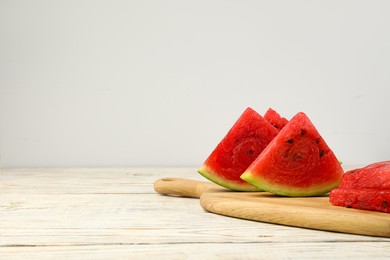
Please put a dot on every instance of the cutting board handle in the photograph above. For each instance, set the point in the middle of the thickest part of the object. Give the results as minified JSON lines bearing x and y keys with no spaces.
{"x":181,"y":187}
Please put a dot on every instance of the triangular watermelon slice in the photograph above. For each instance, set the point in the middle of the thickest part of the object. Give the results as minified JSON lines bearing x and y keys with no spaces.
{"x":238,"y":149}
{"x":367,"y":188}
{"x":297,"y":162}
{"x":275,"y":119}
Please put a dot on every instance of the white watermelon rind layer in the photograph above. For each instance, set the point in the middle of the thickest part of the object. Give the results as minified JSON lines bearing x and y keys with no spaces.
{"x":214,"y":177}
{"x":286,"y":190}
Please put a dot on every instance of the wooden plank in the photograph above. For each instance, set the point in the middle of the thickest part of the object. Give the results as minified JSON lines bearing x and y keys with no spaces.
{"x":83,"y":219}
{"x":312,"y":212}
{"x":128,"y":250}
{"x":115,"y":213}
{"x":116,"y":180}
{"x":308,"y":212}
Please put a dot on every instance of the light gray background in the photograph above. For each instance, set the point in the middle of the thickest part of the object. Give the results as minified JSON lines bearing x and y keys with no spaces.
{"x":159,"y":83}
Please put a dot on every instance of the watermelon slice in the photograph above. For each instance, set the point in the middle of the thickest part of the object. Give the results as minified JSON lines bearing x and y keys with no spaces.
{"x":373,"y":176}
{"x":297,"y":162}
{"x":366,"y":199}
{"x":237,"y":150}
{"x":275,"y":119}
{"x":366,"y":188}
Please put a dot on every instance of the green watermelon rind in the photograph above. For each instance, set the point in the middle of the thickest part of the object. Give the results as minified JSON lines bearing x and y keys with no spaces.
{"x":216,"y":178}
{"x":286,"y":190}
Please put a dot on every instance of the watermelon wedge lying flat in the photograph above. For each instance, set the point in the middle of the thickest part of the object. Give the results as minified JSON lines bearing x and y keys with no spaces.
{"x":366,"y":188}
{"x":238,"y":149}
{"x":373,"y":176}
{"x":275,"y":119}
{"x":366,"y":199}
{"x":297,"y":162}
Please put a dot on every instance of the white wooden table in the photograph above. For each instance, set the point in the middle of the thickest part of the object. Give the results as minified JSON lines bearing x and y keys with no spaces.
{"x":115,"y":213}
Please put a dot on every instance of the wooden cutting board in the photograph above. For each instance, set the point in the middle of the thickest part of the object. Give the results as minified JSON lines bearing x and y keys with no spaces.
{"x":307,"y":212}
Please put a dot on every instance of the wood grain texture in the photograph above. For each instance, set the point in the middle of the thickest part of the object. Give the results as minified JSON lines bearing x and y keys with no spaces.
{"x":311,"y":212}
{"x":184,"y":187}
{"x":115,"y":213}
{"x":307,"y":212}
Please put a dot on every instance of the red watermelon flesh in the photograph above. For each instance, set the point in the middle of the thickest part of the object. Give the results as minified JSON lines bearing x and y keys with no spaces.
{"x":366,"y":188}
{"x":366,"y":199}
{"x":297,"y":162}
{"x":275,"y":119}
{"x":238,"y":149}
{"x":373,"y":176}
